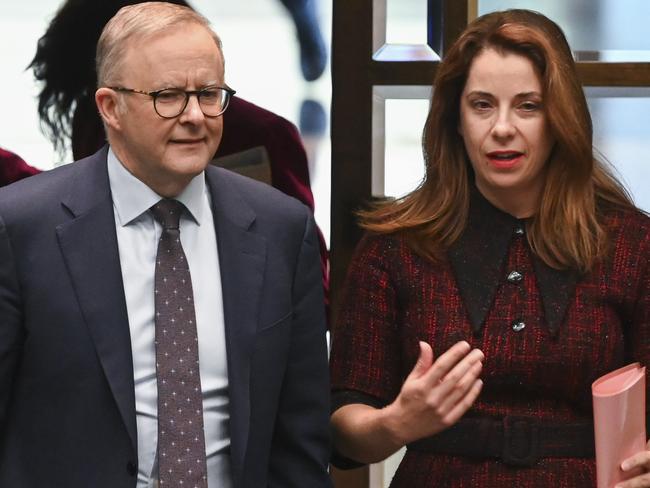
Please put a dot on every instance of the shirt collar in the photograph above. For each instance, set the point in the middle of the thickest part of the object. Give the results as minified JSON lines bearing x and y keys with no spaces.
{"x":479,"y":256}
{"x":132,"y":197}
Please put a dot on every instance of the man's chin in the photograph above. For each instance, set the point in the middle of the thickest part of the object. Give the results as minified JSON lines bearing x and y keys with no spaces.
{"x":189,"y":161}
{"x":192,"y":150}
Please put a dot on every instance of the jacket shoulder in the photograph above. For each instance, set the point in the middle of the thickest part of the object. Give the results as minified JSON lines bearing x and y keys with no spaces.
{"x":42,"y":194}
{"x":38,"y":191}
{"x":261,"y":197}
{"x":627,"y":221}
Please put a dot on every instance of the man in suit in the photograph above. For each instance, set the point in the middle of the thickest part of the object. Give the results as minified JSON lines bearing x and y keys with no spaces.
{"x":161,"y":321}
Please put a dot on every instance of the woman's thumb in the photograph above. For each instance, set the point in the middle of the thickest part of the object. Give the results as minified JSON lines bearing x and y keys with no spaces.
{"x":424,"y":362}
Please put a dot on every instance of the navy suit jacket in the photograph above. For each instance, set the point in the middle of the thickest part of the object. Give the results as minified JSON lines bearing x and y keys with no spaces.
{"x":67,"y":406}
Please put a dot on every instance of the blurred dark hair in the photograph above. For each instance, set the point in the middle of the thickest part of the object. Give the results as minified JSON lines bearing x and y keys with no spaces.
{"x":65,"y":62}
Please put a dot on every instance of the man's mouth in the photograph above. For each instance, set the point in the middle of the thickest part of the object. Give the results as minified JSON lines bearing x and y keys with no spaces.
{"x":186,"y":141}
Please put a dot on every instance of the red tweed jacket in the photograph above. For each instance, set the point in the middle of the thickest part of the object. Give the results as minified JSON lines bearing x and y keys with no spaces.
{"x":546,"y":334}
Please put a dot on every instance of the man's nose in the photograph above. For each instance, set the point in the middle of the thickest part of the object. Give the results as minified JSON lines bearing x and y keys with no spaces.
{"x":192,"y":112}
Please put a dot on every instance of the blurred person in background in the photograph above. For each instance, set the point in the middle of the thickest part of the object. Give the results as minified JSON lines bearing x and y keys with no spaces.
{"x":313,"y":52}
{"x":13,"y":168}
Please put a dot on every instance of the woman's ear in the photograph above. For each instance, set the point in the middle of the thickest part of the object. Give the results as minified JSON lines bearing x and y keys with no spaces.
{"x":108,"y":106}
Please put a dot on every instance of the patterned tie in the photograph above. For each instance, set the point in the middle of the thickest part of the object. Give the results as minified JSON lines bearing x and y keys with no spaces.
{"x":181,"y":443}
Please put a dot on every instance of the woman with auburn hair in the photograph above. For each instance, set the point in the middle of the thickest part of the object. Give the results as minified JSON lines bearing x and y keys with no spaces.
{"x":479,"y":308}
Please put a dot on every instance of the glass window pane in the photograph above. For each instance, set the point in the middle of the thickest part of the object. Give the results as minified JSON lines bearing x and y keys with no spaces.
{"x":622,"y":135}
{"x":400,"y":31}
{"x":597,"y":30}
{"x":404,"y":167}
{"x":399,"y":113}
{"x":406,"y":22}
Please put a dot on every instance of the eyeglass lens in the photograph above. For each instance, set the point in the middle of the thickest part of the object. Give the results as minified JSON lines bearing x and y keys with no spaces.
{"x":171,"y":102}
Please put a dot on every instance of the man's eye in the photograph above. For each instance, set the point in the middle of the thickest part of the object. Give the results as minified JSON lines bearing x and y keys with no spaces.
{"x":169,"y":96}
{"x":211,"y":96}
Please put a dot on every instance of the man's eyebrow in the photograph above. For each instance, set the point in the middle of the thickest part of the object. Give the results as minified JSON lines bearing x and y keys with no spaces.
{"x":165,"y":85}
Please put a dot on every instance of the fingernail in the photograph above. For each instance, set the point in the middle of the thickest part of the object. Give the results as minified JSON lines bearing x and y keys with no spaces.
{"x":625,"y":465}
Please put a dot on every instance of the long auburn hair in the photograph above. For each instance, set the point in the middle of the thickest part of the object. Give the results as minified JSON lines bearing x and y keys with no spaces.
{"x":567,"y":229}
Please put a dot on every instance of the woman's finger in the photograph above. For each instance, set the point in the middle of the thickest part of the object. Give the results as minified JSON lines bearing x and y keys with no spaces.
{"x":639,"y":463}
{"x":641,"y":481}
{"x":464,"y":404}
{"x":424,"y":362}
{"x":639,"y":460}
{"x":446,"y":363}
{"x":457,"y":392}
{"x":443,"y":385}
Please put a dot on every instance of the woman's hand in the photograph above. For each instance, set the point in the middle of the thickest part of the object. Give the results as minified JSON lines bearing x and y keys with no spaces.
{"x":433,"y":397}
{"x":436,"y":394}
{"x":639,"y":463}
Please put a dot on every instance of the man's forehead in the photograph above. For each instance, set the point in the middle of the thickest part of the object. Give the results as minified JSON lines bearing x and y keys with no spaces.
{"x":140,"y":39}
{"x":172,"y":45}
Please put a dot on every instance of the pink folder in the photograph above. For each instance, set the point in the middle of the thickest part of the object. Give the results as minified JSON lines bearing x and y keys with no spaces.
{"x":619,"y":421}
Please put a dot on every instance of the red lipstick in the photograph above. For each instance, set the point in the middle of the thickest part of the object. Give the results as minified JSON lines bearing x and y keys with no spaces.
{"x":504,"y":159}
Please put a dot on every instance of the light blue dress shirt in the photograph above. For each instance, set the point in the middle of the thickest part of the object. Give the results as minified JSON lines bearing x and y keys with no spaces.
{"x":137,"y":237}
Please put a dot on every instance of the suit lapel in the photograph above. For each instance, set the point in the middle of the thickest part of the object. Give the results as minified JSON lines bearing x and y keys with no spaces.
{"x":89,"y":246}
{"x":242,"y":259}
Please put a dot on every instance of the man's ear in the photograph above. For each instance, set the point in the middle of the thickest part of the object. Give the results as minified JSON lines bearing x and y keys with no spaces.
{"x":108,"y":106}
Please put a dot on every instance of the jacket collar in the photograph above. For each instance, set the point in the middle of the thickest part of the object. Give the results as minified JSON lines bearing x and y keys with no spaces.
{"x":479,"y":256}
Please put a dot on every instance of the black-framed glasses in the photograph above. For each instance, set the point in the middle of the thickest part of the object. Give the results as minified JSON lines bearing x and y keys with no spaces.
{"x":171,"y":102}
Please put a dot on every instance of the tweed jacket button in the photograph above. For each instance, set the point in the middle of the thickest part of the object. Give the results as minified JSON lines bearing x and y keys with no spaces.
{"x":515,"y":277}
{"x":518,"y":325}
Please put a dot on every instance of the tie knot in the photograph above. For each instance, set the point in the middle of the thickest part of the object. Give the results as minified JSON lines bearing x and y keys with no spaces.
{"x":168,"y":213}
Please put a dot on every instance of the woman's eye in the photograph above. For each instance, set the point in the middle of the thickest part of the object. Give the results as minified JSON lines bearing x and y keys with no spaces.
{"x":529,"y":106}
{"x":481,"y":105}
